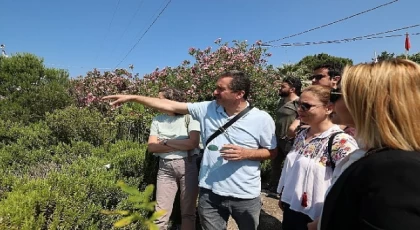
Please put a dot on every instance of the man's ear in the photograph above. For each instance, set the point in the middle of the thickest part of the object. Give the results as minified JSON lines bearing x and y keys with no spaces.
{"x":240,"y":94}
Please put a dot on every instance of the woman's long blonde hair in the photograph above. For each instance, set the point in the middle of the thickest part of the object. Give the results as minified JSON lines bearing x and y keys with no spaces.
{"x":384,"y":101}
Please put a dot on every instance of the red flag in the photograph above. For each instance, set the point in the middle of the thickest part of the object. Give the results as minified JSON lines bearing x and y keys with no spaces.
{"x":407,"y":42}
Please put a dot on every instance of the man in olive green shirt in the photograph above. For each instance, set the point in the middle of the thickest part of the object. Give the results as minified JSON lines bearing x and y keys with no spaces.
{"x":285,"y":115}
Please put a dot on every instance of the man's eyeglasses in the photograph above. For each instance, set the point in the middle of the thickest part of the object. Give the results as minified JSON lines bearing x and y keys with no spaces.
{"x":316,"y":77}
{"x":335,"y":95}
{"x":305,"y":106}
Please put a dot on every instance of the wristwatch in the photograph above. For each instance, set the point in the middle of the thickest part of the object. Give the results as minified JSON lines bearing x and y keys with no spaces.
{"x":165,"y":141}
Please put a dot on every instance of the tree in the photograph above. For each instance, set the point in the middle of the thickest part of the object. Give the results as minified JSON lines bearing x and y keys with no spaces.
{"x":29,"y":90}
{"x":293,"y":70}
{"x":318,"y":59}
{"x":385,"y":56}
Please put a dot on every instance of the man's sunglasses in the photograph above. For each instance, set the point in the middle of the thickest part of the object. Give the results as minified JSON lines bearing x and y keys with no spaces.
{"x":305,"y":106}
{"x":335,"y":94}
{"x":316,"y":77}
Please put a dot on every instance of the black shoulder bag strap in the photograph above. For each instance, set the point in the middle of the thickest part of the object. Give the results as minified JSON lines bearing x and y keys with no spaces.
{"x":229,"y":123}
{"x":330,"y":143}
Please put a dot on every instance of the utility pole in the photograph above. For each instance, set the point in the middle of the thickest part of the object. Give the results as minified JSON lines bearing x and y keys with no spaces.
{"x":375,"y":58}
{"x":3,"y":52}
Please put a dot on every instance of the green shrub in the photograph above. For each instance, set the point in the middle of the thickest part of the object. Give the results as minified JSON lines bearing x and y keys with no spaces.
{"x":32,"y":136}
{"x":29,"y":89}
{"x":80,"y":124}
{"x":72,"y":193}
{"x":265,"y":171}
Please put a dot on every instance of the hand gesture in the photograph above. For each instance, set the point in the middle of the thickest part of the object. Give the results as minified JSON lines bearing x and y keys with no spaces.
{"x":233,"y":152}
{"x":118,"y":99}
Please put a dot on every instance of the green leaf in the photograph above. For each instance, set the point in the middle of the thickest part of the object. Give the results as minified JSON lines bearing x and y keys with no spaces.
{"x":135,"y":199}
{"x":124,"y":221}
{"x":157,"y":214}
{"x":128,"y":189}
{"x":148,"y":192}
{"x":115,"y":212}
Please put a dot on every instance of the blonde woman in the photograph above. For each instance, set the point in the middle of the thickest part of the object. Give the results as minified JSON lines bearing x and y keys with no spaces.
{"x":381,"y":190}
{"x":308,"y":168}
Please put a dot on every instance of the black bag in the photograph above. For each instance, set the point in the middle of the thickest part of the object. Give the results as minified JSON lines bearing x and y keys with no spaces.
{"x":329,"y":149}
{"x":219,"y":131}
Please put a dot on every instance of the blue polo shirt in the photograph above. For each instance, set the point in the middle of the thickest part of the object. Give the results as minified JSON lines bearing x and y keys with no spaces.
{"x":240,"y":179}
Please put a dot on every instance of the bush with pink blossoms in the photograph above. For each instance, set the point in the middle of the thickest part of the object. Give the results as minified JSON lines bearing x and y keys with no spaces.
{"x":196,"y":78}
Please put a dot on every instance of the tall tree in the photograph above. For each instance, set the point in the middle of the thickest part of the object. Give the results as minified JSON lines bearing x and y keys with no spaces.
{"x":385,"y":56}
{"x":312,"y":61}
{"x":28,"y":89}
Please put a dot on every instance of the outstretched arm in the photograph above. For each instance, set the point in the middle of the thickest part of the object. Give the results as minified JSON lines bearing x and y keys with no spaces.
{"x":156,"y":103}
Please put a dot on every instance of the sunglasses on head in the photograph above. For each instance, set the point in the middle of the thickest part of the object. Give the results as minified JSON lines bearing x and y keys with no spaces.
{"x":317,"y":77}
{"x":335,"y":94}
{"x":305,"y":106}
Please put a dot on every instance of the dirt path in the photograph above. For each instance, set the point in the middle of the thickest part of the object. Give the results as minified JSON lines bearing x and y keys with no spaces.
{"x":271,"y":215}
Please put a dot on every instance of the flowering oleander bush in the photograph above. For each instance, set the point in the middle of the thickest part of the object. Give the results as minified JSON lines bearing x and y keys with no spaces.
{"x":197,"y":78}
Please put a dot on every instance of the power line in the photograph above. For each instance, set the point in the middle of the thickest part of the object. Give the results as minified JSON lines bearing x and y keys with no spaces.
{"x":338,"y":41}
{"x":130,"y":22}
{"x":109,"y":28}
{"x":150,"y":26}
{"x":162,"y":5}
{"x":347,"y":39}
{"x":391,"y":31}
{"x":331,"y":23}
{"x":152,"y":17}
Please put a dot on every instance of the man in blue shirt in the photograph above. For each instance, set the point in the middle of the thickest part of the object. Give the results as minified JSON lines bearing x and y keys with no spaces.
{"x":229,"y":181}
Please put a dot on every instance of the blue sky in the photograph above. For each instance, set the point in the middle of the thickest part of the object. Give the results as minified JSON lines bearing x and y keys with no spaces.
{"x":78,"y":35}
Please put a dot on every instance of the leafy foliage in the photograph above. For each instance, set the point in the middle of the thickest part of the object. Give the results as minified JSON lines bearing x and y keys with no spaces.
{"x":310,"y":62}
{"x":140,"y":201}
{"x":28,"y":90}
{"x":72,"y":195}
{"x":80,"y":124}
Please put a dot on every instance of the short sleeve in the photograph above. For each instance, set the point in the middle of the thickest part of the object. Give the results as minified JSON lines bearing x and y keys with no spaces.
{"x":194,"y":125}
{"x":342,"y":145}
{"x":154,"y":130}
{"x":268,"y":138}
{"x":198,"y":109}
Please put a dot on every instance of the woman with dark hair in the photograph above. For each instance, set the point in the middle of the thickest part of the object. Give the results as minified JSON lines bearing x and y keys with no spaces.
{"x":174,"y":139}
{"x":309,"y":166}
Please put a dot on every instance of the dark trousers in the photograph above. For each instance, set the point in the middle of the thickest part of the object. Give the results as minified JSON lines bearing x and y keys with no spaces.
{"x":293,"y":220}
{"x":214,"y":211}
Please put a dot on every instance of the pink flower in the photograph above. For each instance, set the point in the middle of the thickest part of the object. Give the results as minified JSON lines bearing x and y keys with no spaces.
{"x":258,"y":43}
{"x":191,"y":50}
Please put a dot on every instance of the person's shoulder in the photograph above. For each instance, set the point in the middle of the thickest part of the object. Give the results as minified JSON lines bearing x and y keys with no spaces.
{"x":161,"y":117}
{"x":382,"y":165}
{"x":258,"y":112}
{"x":343,"y":136}
{"x":203,"y":102}
{"x":395,"y":157}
